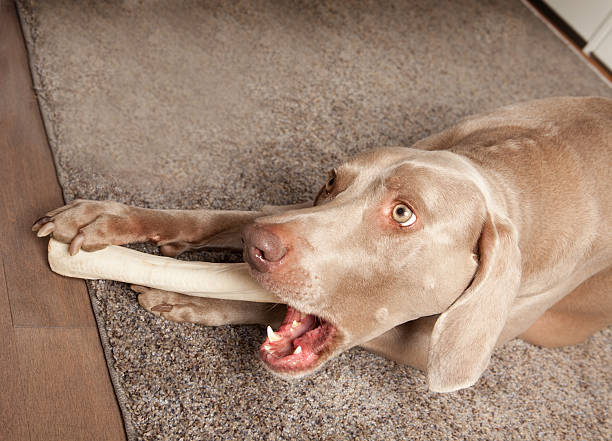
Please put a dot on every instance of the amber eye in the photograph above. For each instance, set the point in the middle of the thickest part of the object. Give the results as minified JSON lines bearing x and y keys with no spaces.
{"x":329,"y":185}
{"x":403,"y":215}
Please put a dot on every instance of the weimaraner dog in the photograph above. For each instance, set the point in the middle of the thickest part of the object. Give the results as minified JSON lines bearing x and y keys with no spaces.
{"x":499,"y":227}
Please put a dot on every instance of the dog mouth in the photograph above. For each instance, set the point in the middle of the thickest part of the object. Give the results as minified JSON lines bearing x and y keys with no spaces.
{"x":301,"y":343}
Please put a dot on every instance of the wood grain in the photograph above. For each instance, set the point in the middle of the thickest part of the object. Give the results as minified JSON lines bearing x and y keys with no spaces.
{"x":53,"y":377}
{"x":69,"y":395}
{"x":29,"y":189}
{"x":13,"y":415}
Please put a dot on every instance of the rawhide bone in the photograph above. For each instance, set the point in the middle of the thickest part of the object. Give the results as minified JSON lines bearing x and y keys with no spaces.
{"x":230,"y":281}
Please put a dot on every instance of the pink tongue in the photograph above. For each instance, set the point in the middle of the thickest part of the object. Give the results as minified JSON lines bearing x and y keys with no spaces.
{"x":295,"y":324}
{"x":296,"y":343}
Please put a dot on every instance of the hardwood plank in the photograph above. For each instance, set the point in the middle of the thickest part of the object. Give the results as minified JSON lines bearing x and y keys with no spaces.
{"x":29,"y":189}
{"x":13,"y":416}
{"x":54,"y":379}
{"x":69,"y":394}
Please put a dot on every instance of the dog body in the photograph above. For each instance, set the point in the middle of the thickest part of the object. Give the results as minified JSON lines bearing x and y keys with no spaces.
{"x":539,"y":158}
{"x":432,"y":255}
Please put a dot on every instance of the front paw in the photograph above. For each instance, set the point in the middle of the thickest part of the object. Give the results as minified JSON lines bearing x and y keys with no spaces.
{"x":91,"y":225}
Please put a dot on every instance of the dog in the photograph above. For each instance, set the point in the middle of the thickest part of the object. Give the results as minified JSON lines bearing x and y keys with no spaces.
{"x":496,"y":228}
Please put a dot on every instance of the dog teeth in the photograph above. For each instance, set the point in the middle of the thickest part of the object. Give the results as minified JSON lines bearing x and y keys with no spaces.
{"x":298,"y":350}
{"x":267,"y":347}
{"x":303,"y":316}
{"x":295,"y":324}
{"x":272,"y":336}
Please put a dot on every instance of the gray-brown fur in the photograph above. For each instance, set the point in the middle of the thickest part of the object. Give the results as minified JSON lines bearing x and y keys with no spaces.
{"x":493,"y":249}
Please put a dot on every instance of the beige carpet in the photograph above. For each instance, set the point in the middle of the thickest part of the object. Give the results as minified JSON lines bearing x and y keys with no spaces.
{"x":236,"y":104}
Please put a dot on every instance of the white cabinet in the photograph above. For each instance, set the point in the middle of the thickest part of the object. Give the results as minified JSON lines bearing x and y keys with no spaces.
{"x":584,"y":16}
{"x":603,"y":51}
{"x":592,"y":20}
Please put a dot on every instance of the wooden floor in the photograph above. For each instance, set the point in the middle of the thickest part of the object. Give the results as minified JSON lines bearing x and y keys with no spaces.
{"x":53,"y":376}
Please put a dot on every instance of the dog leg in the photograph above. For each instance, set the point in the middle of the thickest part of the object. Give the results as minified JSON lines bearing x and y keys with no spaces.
{"x":576,"y":316}
{"x":93,"y":225}
{"x":210,"y":312}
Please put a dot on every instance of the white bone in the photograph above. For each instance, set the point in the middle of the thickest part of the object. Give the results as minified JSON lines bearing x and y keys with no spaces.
{"x":230,"y":281}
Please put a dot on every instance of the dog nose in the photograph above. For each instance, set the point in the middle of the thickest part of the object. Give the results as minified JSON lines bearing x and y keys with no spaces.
{"x":261,"y":247}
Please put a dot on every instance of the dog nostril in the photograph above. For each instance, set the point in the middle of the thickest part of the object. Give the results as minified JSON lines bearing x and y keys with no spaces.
{"x":269,"y":254}
{"x":272,"y":249}
{"x":259,"y":254}
{"x":262,"y":247}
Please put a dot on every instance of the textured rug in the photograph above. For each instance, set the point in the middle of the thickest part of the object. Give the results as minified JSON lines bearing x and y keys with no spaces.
{"x":236,"y":104}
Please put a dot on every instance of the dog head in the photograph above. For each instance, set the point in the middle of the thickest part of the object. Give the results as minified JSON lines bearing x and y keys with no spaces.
{"x":394,"y":235}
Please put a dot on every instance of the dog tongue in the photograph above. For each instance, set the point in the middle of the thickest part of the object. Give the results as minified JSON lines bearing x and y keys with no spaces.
{"x":296,"y":323}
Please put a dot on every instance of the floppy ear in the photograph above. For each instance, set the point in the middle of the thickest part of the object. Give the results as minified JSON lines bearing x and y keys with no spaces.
{"x":465,"y":335}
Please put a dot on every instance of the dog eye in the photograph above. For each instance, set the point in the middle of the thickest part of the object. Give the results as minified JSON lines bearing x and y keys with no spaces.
{"x":329,"y":185}
{"x":403,"y":215}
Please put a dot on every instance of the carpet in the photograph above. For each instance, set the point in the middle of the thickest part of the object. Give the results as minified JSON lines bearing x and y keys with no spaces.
{"x":195,"y":104}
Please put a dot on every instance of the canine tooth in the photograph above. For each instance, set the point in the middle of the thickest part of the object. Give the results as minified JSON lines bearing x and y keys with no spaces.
{"x":295,"y":324}
{"x":267,"y":347}
{"x":272,"y":335}
{"x":298,"y":350}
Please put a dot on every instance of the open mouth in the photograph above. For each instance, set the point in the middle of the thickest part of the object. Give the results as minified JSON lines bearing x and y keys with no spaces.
{"x":298,"y":344}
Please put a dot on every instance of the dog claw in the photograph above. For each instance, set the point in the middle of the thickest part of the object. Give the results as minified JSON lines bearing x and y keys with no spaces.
{"x":76,"y":244}
{"x":40,"y":222}
{"x":162,"y":307}
{"x":46,"y":229}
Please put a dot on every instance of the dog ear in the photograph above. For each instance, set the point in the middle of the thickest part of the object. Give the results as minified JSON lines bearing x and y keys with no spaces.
{"x":465,"y":335}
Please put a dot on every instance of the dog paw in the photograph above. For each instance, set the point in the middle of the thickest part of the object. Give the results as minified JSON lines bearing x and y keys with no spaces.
{"x":90,"y":225}
{"x":179,"y":307}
